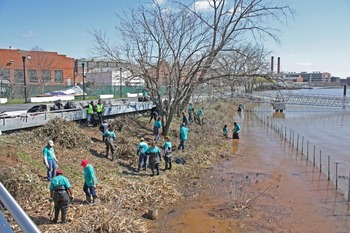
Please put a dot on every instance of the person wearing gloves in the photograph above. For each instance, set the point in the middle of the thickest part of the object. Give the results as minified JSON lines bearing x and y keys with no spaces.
{"x":60,"y":194}
{"x":89,"y":187}
{"x":109,"y":138}
{"x":154,"y":157}
{"x":50,"y":160}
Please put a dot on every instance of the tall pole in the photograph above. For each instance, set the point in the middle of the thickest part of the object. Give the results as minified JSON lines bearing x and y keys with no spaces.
{"x":82,"y":64}
{"x":120,"y":84}
{"x":25,"y":80}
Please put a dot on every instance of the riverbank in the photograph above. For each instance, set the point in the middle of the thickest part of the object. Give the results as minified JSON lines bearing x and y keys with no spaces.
{"x":265,"y":186}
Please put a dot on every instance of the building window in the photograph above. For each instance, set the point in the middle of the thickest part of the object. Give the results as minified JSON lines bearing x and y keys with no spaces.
{"x":45,"y":76}
{"x":18,"y":76}
{"x":32,"y":75}
{"x":5,"y":74}
{"x":58,"y":76}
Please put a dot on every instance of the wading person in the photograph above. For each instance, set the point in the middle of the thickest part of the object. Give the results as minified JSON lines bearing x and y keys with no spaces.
{"x":183,"y":136}
{"x":167,"y":153}
{"x":154,"y":156}
{"x":90,"y":179}
{"x":60,"y":194}
{"x":225,"y":131}
{"x":236,"y":130}
{"x":156,"y":129}
{"x":109,"y":138}
{"x":141,"y":152}
{"x":50,"y":160}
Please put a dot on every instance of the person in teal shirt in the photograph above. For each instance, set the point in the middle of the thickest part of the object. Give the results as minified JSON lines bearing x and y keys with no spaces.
{"x":60,"y":193}
{"x":167,"y":153}
{"x":141,"y":152}
{"x":154,"y":157}
{"x":110,"y":138}
{"x":236,"y":130}
{"x":225,"y":131}
{"x":50,"y":160}
{"x":200,"y":116}
{"x":183,"y":136}
{"x":190,"y":110}
{"x":156,"y":129}
{"x":89,"y":187}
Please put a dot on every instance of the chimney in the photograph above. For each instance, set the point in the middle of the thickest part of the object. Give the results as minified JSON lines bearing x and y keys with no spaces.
{"x":272,"y":64}
{"x":278,"y":65}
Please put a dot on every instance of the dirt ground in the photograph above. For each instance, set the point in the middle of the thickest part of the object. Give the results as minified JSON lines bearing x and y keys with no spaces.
{"x":255,"y":184}
{"x":265,"y":186}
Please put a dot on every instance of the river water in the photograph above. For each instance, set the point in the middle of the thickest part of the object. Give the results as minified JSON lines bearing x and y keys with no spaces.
{"x":327,"y":129}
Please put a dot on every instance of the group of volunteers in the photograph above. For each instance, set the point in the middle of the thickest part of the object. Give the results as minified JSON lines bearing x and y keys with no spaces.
{"x":60,"y":189}
{"x":148,"y":155}
{"x":95,"y":113}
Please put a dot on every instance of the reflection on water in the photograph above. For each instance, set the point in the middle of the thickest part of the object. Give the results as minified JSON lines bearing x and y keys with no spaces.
{"x":328,"y":129}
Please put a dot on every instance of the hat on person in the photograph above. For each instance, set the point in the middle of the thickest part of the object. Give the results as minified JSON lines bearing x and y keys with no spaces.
{"x":84,"y":162}
{"x":59,"y":171}
{"x":142,"y":139}
{"x":50,"y":143}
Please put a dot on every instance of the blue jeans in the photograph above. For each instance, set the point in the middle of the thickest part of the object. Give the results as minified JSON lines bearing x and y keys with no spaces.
{"x":142,"y":162}
{"x":51,"y":171}
{"x":182,"y":145}
{"x":156,"y":134}
{"x":89,"y":191}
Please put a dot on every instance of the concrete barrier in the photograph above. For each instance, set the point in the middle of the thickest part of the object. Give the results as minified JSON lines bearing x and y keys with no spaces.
{"x":106,"y":96}
{"x":50,"y":98}
{"x":133,"y":94}
{"x":3,"y":100}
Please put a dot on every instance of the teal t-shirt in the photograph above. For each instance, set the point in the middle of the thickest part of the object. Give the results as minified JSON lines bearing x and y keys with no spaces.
{"x":190,"y":108}
{"x":142,"y":146}
{"x":225,"y":130}
{"x":49,"y":153}
{"x":200,"y":113}
{"x":158,"y":124}
{"x":153,"y":150}
{"x":167,"y":146}
{"x":110,"y":134}
{"x":59,"y":181}
{"x":183,"y":132}
{"x":237,"y":129}
{"x":89,"y":175}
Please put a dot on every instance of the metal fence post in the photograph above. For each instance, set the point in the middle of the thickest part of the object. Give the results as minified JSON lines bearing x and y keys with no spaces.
{"x":329,"y":168}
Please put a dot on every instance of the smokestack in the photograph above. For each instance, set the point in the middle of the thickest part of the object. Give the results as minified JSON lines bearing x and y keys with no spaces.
{"x":278,"y":65}
{"x":272,"y":64}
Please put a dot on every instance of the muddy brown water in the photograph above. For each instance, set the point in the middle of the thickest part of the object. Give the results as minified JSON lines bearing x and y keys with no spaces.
{"x":266,"y":186}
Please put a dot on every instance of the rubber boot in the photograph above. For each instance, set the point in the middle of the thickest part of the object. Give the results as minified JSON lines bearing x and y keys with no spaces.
{"x":169,"y":165}
{"x":57,"y":211}
{"x":112,"y":156}
{"x":166,"y":166}
{"x":64,"y":216}
{"x":152,"y":172}
{"x":87,"y":201}
{"x":107,"y":154}
{"x":157,"y":168}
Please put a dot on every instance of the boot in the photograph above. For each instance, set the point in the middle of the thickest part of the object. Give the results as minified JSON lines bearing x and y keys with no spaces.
{"x":107,"y":154}
{"x":152,"y":172}
{"x":95,"y":200}
{"x":166,"y":166}
{"x":170,"y":166}
{"x":64,"y":216}
{"x":57,"y":211}
{"x":112,"y":156}
{"x":157,"y":168}
{"x":87,"y":201}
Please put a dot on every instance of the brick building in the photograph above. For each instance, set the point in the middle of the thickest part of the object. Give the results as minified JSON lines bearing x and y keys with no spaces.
{"x":41,"y":67}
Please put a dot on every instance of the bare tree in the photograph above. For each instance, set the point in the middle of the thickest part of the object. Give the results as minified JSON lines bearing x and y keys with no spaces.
{"x":174,"y":45}
{"x":43,"y":64}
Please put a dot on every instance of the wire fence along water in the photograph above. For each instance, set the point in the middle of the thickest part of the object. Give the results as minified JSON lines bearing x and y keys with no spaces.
{"x":335,"y":171}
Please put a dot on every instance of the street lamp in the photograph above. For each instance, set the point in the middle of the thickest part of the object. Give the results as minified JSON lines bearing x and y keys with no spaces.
{"x":25,"y":80}
{"x":121,"y":80}
{"x":82,"y":64}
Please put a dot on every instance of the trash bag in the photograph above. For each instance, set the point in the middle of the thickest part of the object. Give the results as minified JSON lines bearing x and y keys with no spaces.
{"x":70,"y":105}
{"x":179,"y":160}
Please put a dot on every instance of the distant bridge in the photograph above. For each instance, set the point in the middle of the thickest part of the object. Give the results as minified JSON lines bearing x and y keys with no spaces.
{"x":301,"y":99}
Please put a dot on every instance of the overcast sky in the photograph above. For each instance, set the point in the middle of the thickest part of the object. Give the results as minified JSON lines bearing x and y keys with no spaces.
{"x":317,"y":40}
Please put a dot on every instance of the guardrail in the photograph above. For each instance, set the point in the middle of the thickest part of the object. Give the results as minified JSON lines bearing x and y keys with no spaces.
{"x":28,"y":120}
{"x":25,"y":223}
